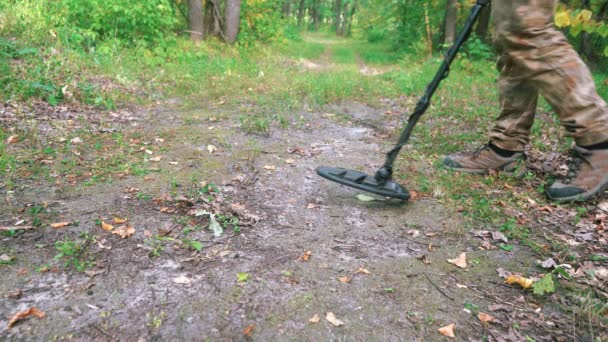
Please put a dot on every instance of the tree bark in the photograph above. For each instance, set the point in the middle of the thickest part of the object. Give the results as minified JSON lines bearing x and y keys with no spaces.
{"x":301,"y":10}
{"x":450,"y":21}
{"x":286,"y":8}
{"x":484,"y":23}
{"x":337,"y":15}
{"x":233,"y":20}
{"x":351,"y":16}
{"x":195,"y":19}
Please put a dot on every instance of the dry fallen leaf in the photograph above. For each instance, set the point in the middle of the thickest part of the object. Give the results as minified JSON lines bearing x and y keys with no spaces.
{"x":156,"y":159}
{"x":448,"y":330}
{"x":484,"y":317}
{"x":331,"y":318}
{"x":460,"y":286}
{"x":25,"y":314}
{"x":362,"y":270}
{"x":124,"y":231}
{"x":290,"y":161}
{"x":311,"y":206}
{"x":60,"y":224}
{"x":118,"y":220}
{"x":149,"y":151}
{"x":306,"y":256}
{"x":211,"y":148}
{"x":270,"y":167}
{"x":12,"y":139}
{"x":182,"y":280}
{"x":106,"y":227}
{"x":461,"y":261}
{"x":345,"y":279}
{"x":315,"y":319}
{"x":173,"y":163}
{"x":526,"y":283}
{"x":249,"y":330}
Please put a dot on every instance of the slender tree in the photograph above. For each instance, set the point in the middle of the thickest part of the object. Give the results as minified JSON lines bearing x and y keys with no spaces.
{"x":195,"y":19}
{"x":484,"y":23}
{"x":233,"y":20}
{"x":451,"y":14}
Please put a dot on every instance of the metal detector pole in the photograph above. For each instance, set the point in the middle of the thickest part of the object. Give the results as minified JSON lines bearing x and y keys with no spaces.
{"x":386,"y":171}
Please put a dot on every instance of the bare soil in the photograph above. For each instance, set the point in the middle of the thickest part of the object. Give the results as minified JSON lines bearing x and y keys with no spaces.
{"x":129,"y":293}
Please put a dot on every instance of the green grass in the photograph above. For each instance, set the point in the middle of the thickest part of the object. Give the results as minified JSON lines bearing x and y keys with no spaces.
{"x":343,"y":55}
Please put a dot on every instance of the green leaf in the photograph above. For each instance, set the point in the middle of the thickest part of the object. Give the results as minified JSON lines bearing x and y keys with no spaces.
{"x":606,"y":51}
{"x":561,"y":271}
{"x":365,"y":198}
{"x":504,"y":247}
{"x":242,"y":277}
{"x":196,"y":245}
{"x":544,"y":285}
{"x":389,"y":290}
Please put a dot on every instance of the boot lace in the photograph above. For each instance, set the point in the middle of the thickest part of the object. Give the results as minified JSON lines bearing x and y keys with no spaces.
{"x":480,"y":149}
{"x":579,"y":158}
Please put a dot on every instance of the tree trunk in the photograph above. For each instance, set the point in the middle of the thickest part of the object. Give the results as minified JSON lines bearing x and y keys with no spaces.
{"x":342,"y":29}
{"x":317,"y":15}
{"x":351,"y":16}
{"x":585,"y":48}
{"x":337,"y":15}
{"x":195,"y":19}
{"x":233,"y":20}
{"x":301,"y":10}
{"x":484,"y":23}
{"x":451,"y":14}
{"x":286,"y":9}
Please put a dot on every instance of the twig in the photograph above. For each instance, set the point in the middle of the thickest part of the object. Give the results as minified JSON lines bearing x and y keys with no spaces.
{"x":15,"y":228}
{"x":437,"y":287}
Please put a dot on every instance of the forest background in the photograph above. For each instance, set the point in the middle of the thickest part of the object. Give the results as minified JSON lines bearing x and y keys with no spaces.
{"x":49,"y":48}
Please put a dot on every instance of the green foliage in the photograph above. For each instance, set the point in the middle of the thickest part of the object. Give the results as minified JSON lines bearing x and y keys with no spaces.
{"x":260,"y":22}
{"x":74,"y":253}
{"x":140,"y":22}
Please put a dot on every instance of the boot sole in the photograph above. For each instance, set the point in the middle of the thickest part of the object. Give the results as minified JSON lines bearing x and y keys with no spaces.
{"x":585,"y":195}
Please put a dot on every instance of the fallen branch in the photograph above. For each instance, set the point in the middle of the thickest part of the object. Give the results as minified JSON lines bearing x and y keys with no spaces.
{"x":437,"y":287}
{"x":7,"y":228}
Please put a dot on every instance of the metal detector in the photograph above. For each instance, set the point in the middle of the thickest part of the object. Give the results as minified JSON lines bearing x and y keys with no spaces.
{"x":381,"y":183}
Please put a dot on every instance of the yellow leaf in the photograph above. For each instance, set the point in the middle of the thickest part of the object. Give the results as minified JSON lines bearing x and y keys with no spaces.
{"x":363,"y":271}
{"x":448,"y":330}
{"x":118,"y":220}
{"x":106,"y":227}
{"x":345,"y":279}
{"x":562,"y":19}
{"x":583,"y":16}
{"x":60,"y":224}
{"x":461,"y":261}
{"x":484,"y":317}
{"x":521,"y":281}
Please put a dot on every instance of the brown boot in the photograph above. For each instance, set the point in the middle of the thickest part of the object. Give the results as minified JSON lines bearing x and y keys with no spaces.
{"x":587,"y":176}
{"x":485,"y":159}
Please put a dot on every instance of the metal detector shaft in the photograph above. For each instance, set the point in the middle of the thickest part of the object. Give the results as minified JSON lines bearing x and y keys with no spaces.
{"x":385,"y":172}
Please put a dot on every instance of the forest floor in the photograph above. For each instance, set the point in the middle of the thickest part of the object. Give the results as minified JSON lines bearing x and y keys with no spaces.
{"x":137,"y":196}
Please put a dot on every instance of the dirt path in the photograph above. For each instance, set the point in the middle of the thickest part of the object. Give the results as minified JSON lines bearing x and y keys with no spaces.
{"x":148,"y":287}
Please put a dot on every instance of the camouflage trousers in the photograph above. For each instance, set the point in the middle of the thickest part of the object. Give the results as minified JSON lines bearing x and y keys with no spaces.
{"x":536,"y":58}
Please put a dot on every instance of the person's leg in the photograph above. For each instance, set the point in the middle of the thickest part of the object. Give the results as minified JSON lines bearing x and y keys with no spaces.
{"x":541,"y":55}
{"x":517,"y":100}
